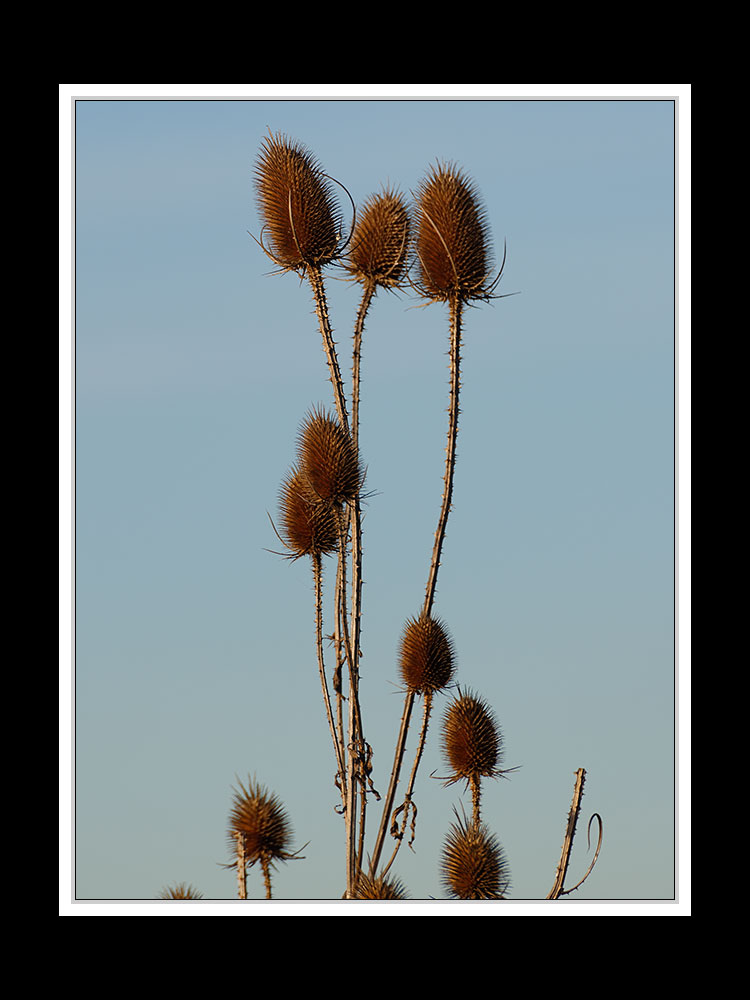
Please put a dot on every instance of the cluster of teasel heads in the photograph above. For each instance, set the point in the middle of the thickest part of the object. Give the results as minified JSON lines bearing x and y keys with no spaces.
{"x":440,"y":247}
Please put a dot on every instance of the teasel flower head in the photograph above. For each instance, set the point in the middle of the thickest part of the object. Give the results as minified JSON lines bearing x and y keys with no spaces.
{"x":379,"y":887}
{"x":379,"y":250}
{"x":471,"y":740}
{"x":452,"y":238}
{"x":180,"y":891}
{"x":329,"y":459}
{"x":473,"y":863}
{"x":426,"y":655}
{"x":258,"y":816}
{"x":301,"y":218}
{"x":308,"y":525}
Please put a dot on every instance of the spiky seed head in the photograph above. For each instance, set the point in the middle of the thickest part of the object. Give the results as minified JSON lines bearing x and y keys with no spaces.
{"x":329,"y":459}
{"x":180,"y":891}
{"x":258,"y":815}
{"x":380,"y":240}
{"x":472,"y":741}
{"x":379,"y":887}
{"x":473,"y":863}
{"x":297,"y":204}
{"x":426,"y":655}
{"x":308,"y":524}
{"x":452,"y":237}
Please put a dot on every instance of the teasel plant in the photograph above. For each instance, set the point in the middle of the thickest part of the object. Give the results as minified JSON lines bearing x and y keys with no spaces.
{"x":180,"y":890}
{"x":260,"y":832}
{"x":452,"y":263}
{"x":438,"y":245}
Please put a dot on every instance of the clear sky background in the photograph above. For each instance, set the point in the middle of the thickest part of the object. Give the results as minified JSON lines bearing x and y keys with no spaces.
{"x":194,"y":660}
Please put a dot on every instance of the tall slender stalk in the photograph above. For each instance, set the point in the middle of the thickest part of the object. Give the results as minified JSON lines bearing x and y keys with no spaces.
{"x":450,"y":466}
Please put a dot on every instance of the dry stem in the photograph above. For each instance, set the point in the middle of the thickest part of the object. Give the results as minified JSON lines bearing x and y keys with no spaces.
{"x":450,"y":465}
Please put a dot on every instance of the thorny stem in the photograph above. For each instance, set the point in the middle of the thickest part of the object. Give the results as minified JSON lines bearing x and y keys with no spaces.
{"x":321,"y":308}
{"x":557,"y":889}
{"x":355,"y":735}
{"x":408,"y":804}
{"x":241,"y":865}
{"x":266,"y":876}
{"x":476,"y":795}
{"x":317,"y":576}
{"x":450,"y":465}
{"x":450,"y":451}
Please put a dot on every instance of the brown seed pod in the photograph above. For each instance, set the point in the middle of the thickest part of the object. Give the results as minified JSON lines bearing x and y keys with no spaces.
{"x":379,"y":887}
{"x":259,"y":817}
{"x":180,"y":891}
{"x":426,"y":655}
{"x":308,"y":524}
{"x":472,"y":742}
{"x":452,"y":242}
{"x":473,"y":862}
{"x":297,"y":205}
{"x":380,"y":241}
{"x":329,"y":459}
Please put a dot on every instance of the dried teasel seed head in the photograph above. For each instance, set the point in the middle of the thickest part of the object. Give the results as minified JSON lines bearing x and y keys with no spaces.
{"x":329,"y":459}
{"x":379,"y":887}
{"x":380,"y":240}
{"x":296,"y":202}
{"x":308,"y":524}
{"x":471,"y":739}
{"x":180,"y":891}
{"x":452,"y":239}
{"x":426,"y":655}
{"x":473,"y":863}
{"x":259,"y":817}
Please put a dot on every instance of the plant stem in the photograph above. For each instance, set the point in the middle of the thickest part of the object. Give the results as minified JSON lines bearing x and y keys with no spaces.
{"x":338,"y":750}
{"x":450,"y":465}
{"x":450,"y":451}
{"x":241,"y":865}
{"x":570,"y":831}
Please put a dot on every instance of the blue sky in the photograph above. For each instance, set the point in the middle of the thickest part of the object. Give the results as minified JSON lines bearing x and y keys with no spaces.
{"x":194,"y":662}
